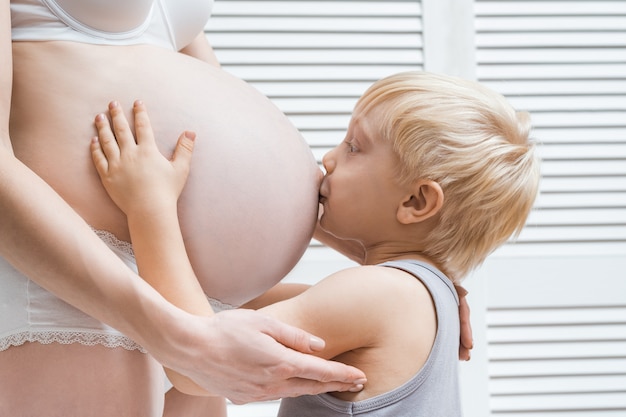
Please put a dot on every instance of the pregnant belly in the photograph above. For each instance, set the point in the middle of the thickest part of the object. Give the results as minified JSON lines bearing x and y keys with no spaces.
{"x":249,"y":207}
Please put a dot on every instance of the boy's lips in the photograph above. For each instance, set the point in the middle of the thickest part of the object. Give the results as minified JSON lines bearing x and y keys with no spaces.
{"x":323,"y":191}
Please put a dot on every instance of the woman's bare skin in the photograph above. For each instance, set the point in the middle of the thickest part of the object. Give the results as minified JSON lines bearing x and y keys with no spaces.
{"x":58,"y":87}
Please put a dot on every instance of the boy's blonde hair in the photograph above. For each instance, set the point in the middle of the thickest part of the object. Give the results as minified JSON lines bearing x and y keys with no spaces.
{"x":475,"y":145}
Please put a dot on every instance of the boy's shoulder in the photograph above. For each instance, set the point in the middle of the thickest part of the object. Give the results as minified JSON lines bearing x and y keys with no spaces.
{"x":380,"y":312}
{"x":376,"y":274}
{"x":369,"y":283}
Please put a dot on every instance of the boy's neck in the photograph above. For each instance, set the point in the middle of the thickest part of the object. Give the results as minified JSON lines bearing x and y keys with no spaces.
{"x":378,"y":257}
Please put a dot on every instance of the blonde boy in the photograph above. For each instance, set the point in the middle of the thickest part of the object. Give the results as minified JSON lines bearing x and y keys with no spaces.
{"x":435,"y":173}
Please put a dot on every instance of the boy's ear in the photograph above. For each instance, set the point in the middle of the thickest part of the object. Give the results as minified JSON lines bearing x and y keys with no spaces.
{"x":425,"y":201}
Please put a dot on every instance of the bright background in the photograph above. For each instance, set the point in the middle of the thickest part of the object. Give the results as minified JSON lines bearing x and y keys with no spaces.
{"x":549,"y":310}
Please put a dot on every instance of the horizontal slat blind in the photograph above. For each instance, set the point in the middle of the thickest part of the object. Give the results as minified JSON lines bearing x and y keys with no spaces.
{"x":556,"y":334}
{"x":557,"y":359}
{"x":556,"y":326}
{"x":315,"y":58}
{"x":565,"y":62}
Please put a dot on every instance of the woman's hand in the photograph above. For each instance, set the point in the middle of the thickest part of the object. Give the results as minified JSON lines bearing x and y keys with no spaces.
{"x":136,"y":175}
{"x":247,"y":356}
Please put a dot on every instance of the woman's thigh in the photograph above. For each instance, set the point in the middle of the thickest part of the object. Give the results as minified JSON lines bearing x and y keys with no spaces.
{"x":79,"y":380}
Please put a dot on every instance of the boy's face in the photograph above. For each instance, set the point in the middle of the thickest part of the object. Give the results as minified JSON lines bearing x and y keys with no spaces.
{"x":360,"y":193}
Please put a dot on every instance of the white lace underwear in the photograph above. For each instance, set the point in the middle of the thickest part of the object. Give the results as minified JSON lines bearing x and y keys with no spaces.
{"x":29,"y":313}
{"x":126,"y":248}
{"x":67,"y":337}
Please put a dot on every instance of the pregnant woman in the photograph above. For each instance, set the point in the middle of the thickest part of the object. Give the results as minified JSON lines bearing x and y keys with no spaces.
{"x":64,"y":244}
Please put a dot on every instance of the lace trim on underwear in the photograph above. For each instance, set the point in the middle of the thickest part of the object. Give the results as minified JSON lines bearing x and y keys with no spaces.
{"x":126,"y":247}
{"x":218,"y":306}
{"x":69,"y":337}
{"x":112,"y":241}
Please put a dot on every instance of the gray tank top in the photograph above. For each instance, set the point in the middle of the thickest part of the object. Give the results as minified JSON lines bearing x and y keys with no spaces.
{"x":433,"y":391}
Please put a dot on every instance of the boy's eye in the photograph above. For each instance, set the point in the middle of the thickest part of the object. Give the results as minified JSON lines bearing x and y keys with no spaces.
{"x":351,"y":147}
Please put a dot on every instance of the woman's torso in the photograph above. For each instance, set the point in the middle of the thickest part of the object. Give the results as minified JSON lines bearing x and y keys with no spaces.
{"x":250,"y":204}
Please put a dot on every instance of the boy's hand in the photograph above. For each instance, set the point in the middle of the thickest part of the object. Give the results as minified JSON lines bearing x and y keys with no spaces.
{"x":467,"y":341}
{"x":136,"y":175}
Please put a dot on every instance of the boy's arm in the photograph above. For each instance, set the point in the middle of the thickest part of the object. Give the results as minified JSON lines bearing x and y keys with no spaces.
{"x":146,"y":187}
{"x":279,"y":292}
{"x":354,"y":251}
{"x":339,"y":309}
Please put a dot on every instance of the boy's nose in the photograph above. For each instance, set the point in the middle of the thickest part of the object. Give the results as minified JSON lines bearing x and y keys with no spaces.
{"x":328,"y":161}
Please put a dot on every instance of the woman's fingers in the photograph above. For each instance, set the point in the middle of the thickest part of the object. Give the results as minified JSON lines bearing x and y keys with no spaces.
{"x":259,"y":358}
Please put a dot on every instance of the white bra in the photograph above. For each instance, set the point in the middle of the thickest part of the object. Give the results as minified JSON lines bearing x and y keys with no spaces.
{"x":167,"y":23}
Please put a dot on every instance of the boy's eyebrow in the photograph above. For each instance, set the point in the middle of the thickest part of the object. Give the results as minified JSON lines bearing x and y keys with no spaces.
{"x":357,"y":137}
{"x":359,"y":133}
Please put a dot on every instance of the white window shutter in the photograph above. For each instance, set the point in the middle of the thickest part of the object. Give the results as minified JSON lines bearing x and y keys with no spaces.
{"x":315,"y":58}
{"x":556,"y":298}
{"x":565,"y":62}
